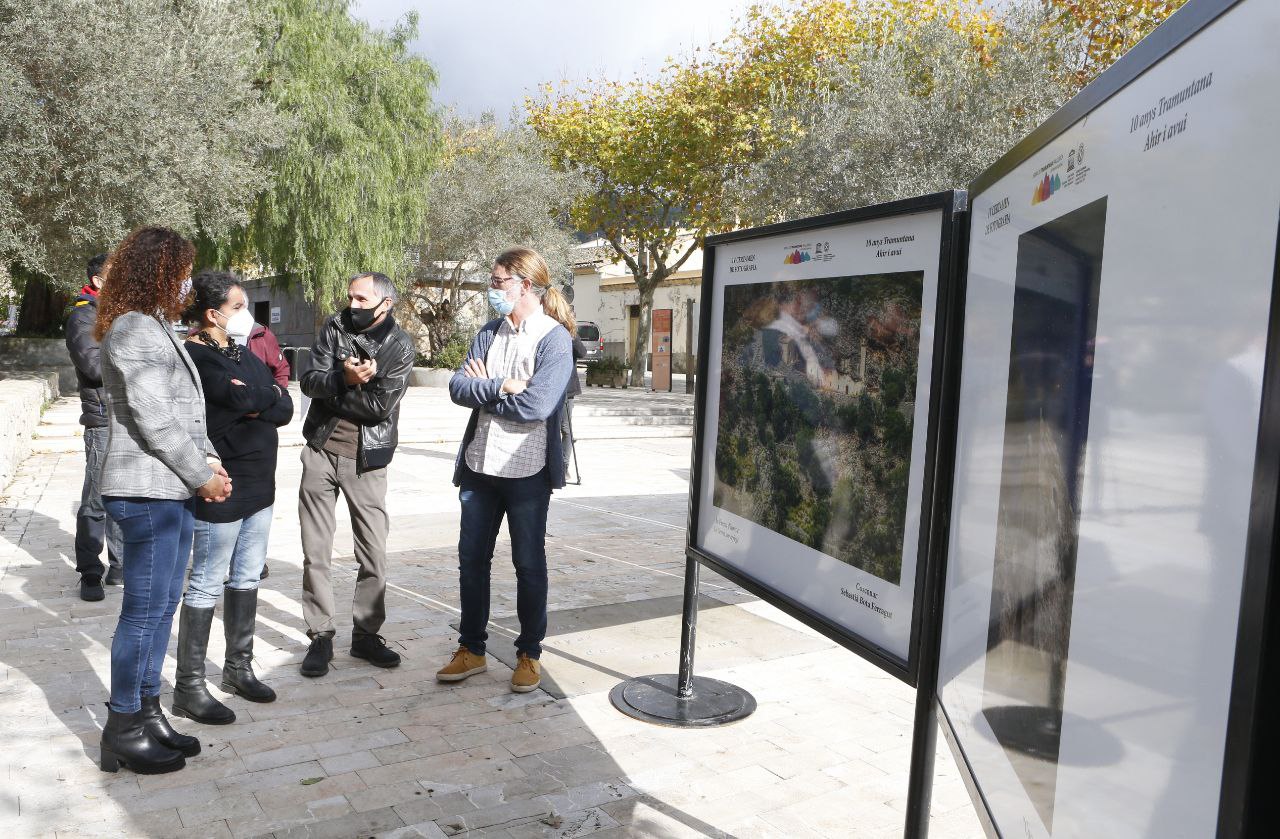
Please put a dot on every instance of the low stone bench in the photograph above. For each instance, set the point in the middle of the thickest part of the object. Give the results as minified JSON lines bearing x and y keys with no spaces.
{"x":429,"y":377}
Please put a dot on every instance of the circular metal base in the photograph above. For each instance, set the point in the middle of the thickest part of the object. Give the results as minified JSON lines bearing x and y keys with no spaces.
{"x":653,"y":699}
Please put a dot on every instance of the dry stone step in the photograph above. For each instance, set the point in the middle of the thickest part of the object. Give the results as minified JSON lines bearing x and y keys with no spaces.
{"x":60,"y":429}
{"x":624,"y":411}
{"x":630,"y":419}
{"x":57,"y":445}
{"x":428,"y":416}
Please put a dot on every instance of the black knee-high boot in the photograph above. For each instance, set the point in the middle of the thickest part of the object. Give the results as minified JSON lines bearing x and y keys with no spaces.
{"x":239,"y":616}
{"x":191,"y":697}
{"x":154,"y":720}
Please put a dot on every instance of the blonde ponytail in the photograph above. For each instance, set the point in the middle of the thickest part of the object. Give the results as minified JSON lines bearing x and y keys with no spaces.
{"x":555,"y":305}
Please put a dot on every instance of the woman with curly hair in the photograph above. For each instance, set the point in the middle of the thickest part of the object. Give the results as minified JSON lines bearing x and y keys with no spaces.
{"x":158,"y":459}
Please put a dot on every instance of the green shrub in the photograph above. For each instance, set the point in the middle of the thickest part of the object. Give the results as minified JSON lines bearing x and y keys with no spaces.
{"x":452,"y":354}
{"x":610,"y":364}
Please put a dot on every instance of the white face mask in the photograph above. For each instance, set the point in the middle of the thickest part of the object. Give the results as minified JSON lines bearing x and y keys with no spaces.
{"x":239,"y":326}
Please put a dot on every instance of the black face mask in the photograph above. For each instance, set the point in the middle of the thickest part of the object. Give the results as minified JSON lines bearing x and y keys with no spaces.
{"x":362,"y":319}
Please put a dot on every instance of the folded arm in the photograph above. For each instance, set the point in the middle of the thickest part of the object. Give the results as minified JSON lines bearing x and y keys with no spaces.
{"x":471,"y":392}
{"x":281,"y":411}
{"x":221,"y":389}
{"x":552,"y":368}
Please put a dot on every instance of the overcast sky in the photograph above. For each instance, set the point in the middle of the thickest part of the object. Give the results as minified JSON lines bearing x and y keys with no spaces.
{"x":489,"y":55}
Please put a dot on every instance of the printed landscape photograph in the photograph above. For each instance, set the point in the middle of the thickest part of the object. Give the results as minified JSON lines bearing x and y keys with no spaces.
{"x":817,"y":399}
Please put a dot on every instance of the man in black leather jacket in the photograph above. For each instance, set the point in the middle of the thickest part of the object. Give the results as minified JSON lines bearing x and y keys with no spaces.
{"x":92,"y":524}
{"x":360,"y":366}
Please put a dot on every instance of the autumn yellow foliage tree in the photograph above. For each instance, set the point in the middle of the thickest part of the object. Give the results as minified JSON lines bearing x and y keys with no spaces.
{"x":1107,"y":29}
{"x":658,"y":153}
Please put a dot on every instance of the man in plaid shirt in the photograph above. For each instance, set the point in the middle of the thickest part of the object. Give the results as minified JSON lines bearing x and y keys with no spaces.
{"x":514,"y":380}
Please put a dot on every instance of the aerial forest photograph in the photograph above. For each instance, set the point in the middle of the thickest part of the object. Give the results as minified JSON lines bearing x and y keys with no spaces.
{"x":817,"y":398}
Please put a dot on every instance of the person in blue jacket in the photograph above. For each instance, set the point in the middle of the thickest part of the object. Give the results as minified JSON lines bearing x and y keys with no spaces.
{"x":514,"y":381}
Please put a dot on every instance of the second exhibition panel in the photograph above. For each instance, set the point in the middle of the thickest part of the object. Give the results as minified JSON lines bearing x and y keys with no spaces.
{"x":1120,"y":279}
{"x":813,"y":451}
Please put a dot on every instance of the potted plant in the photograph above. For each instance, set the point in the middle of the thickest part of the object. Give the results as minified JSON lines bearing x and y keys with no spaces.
{"x":438,"y":369}
{"x":607,"y":371}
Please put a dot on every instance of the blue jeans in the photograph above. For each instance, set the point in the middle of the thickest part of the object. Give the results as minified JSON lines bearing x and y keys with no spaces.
{"x":238,"y":546}
{"x":524,"y":501}
{"x":156,"y":537}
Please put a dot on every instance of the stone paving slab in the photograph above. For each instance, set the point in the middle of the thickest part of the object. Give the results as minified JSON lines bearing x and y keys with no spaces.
{"x":591,"y":649}
{"x":392,"y":753}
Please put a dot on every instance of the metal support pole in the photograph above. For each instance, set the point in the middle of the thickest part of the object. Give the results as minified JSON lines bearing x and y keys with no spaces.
{"x":688,"y":628}
{"x":573,"y":447}
{"x":690,"y":377}
{"x":683,"y":700}
{"x":923,"y":744}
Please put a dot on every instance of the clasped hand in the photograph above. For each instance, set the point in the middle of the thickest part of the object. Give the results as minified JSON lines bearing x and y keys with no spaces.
{"x":218,"y":488}
{"x":474,"y":369}
{"x":356,"y":372}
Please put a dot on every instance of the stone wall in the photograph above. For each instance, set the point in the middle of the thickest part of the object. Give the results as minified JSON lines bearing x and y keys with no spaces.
{"x":38,"y":356}
{"x":22,"y":399}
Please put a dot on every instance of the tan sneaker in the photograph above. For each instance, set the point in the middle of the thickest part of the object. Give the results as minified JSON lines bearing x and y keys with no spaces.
{"x":527,"y":675}
{"x":465,"y":663}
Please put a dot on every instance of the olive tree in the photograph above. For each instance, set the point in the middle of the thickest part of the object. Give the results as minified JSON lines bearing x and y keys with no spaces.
{"x":494,"y":189}
{"x":114,"y":115}
{"x":906,"y":118}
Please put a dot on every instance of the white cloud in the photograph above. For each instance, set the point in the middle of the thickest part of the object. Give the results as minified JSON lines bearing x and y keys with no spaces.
{"x":490,"y":55}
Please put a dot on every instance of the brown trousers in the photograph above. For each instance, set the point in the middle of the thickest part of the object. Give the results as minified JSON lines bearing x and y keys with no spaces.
{"x":323,"y":476}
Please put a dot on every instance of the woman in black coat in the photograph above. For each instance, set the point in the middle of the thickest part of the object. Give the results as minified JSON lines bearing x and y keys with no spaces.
{"x":244,"y":407}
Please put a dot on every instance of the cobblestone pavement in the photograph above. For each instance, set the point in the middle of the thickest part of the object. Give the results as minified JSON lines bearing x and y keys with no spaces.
{"x":392,"y":753}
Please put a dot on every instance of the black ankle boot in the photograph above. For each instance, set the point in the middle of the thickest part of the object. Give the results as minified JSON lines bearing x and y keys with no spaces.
{"x":191,"y":697}
{"x":239,"y":613}
{"x":319,"y":654}
{"x":154,"y":721}
{"x":126,"y":741}
{"x":115,"y":572}
{"x":91,"y":588}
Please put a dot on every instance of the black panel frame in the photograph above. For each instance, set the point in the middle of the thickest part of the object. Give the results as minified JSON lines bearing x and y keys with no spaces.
{"x":953,"y":205}
{"x":1244,"y":802}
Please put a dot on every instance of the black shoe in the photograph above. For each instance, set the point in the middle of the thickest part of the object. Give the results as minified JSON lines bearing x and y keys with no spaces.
{"x":91,"y":587}
{"x":266,"y":572}
{"x":319,"y":654}
{"x":126,"y":740}
{"x":191,"y":697}
{"x":115,"y":575}
{"x":373,"y":649}
{"x":154,"y":721}
{"x":239,"y":613}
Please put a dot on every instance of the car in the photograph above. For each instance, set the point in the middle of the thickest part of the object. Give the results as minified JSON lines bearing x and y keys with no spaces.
{"x":590,"y":335}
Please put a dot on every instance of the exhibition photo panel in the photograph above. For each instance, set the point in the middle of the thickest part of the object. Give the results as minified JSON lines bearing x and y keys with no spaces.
{"x":822,"y":374}
{"x":1116,"y":320}
{"x":815,"y":425}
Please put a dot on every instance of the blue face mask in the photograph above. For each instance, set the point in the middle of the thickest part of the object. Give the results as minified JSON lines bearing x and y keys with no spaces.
{"x":498,"y":300}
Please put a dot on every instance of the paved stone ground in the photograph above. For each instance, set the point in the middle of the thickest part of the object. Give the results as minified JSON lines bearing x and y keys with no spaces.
{"x":366,"y":752}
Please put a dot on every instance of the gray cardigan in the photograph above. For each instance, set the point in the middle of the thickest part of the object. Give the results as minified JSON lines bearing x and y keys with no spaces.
{"x":541,"y":401}
{"x":157,"y":446}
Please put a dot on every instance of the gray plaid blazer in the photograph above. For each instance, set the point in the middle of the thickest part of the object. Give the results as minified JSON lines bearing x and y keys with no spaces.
{"x":157,"y":444}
